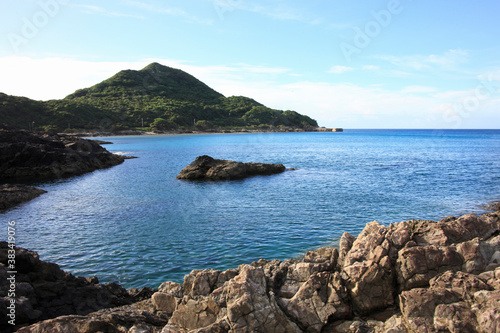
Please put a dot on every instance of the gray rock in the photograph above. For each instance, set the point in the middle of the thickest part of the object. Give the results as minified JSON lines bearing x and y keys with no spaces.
{"x":207,"y":168}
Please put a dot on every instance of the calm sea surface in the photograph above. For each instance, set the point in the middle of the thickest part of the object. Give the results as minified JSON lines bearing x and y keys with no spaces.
{"x":137,"y":225}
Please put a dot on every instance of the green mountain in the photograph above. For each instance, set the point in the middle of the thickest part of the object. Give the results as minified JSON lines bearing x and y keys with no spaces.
{"x":157,"y":96}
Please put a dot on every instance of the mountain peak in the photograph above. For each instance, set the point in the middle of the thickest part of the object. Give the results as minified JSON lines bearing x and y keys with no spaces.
{"x":153,"y":80}
{"x":154,"y":66}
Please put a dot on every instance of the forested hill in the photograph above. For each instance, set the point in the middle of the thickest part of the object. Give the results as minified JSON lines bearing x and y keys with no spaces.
{"x":157,"y":96}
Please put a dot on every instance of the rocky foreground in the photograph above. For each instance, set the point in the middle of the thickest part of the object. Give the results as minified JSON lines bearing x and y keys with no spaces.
{"x":413,"y":276}
{"x":207,"y":168}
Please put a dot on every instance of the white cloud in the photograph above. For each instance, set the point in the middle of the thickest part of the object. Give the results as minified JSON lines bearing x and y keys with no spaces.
{"x":170,"y":11}
{"x":448,"y":60}
{"x":91,"y":9}
{"x":417,"y":89}
{"x":340,"y":69}
{"x":277,"y":10}
{"x":370,"y":67}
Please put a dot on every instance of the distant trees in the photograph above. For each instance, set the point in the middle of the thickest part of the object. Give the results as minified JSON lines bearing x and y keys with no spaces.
{"x":160,"y":124}
{"x":163,"y":97}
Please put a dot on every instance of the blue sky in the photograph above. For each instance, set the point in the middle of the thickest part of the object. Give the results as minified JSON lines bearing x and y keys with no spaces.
{"x":351,"y":64}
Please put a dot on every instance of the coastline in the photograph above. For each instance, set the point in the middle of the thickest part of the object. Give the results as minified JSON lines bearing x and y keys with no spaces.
{"x":410,"y":276}
{"x":194,"y":132}
{"x":382,"y":280}
{"x":28,"y":157}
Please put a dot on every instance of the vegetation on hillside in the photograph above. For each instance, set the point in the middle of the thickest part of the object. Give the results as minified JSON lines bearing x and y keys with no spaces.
{"x":158,"y":97}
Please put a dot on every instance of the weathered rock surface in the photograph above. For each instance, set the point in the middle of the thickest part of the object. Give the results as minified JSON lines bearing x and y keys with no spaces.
{"x":207,"y":168}
{"x":42,"y":290}
{"x":413,"y":276}
{"x":26,"y":156}
{"x":139,"y":317}
{"x":13,"y":195}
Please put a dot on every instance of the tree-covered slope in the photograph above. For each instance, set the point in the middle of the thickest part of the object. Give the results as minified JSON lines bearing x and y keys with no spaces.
{"x":157,"y":96}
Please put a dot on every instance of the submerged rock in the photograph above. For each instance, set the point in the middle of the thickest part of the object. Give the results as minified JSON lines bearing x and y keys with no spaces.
{"x":207,"y":168}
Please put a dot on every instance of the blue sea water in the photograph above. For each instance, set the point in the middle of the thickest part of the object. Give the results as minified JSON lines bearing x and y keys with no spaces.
{"x":138,"y":225}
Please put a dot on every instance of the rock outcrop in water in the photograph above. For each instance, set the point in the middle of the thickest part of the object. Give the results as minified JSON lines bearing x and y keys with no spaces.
{"x":207,"y":168}
{"x":12,"y":195}
{"x":26,"y":156}
{"x":413,"y":276}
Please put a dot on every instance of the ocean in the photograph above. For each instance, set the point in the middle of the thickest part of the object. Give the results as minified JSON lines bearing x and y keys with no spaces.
{"x":137,"y":225}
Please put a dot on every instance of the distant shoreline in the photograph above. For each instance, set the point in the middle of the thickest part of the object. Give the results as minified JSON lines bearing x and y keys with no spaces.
{"x":186,"y":132}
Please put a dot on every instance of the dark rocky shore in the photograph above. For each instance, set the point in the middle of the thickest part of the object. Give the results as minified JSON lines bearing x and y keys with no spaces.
{"x":27,"y":156}
{"x":413,"y":276}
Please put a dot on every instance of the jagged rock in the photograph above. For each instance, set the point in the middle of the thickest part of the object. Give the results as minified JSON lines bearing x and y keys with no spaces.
{"x":453,"y":302}
{"x":164,"y":302}
{"x":367,"y":270}
{"x":135,"y":318}
{"x":249,"y":306}
{"x":416,"y":266}
{"x":456,"y":317}
{"x":172,"y":288}
{"x":463,"y":284}
{"x":413,"y":276}
{"x":207,"y":168}
{"x":289,"y":276}
{"x":195,"y":313}
{"x":28,"y":157}
{"x":487,"y":310}
{"x":321,"y":298}
{"x":200,"y":282}
{"x":418,"y":306}
{"x":345,"y":245}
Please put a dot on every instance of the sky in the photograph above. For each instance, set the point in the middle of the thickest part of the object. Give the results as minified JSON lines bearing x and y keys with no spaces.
{"x":350,"y":64}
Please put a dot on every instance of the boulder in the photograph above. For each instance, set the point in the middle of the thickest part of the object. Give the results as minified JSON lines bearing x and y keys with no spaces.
{"x":321,"y":298}
{"x":207,"y":168}
{"x":250,"y":308}
{"x":368,"y":272}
